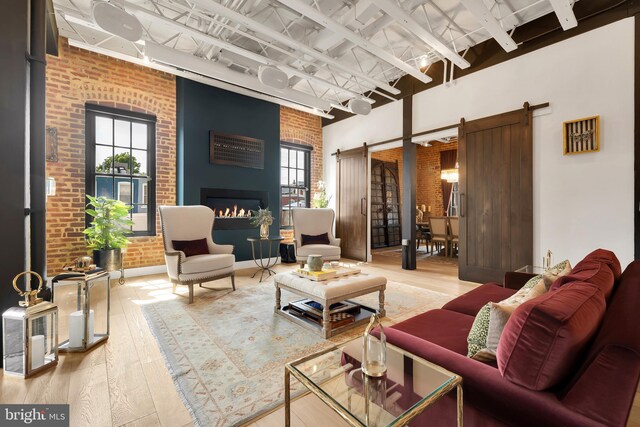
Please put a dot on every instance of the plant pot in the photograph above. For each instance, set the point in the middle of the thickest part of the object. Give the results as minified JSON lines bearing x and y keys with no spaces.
{"x":109,"y":259}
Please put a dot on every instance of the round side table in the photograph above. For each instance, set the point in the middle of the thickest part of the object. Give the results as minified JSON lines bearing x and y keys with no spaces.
{"x":265,"y":264}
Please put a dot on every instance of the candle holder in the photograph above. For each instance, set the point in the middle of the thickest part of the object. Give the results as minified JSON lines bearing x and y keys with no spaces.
{"x":30,"y":333}
{"x":374,"y":352}
{"x":82,"y":334}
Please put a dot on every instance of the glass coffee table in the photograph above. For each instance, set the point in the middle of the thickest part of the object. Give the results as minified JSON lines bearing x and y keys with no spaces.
{"x":410,"y":385}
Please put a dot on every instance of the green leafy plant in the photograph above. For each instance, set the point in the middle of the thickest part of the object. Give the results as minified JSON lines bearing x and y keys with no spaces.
{"x":261,"y":217}
{"x":320,"y":199}
{"x":126,"y":158}
{"x":110,"y":225}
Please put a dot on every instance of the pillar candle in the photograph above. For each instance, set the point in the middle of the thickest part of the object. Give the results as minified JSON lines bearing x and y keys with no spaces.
{"x":36,"y":344}
{"x":76,"y":328}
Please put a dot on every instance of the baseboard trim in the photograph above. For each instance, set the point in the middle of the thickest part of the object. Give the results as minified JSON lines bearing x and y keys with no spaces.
{"x":162,"y":269}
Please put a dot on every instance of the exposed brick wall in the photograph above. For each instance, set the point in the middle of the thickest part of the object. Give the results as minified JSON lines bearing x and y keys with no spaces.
{"x":429,"y":186}
{"x":78,"y":76}
{"x":305,"y":129}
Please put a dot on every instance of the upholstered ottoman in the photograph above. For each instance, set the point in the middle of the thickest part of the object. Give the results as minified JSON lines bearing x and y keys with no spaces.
{"x":329,"y":292}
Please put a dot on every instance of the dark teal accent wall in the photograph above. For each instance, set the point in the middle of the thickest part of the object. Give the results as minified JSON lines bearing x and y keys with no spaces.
{"x":201,"y":108}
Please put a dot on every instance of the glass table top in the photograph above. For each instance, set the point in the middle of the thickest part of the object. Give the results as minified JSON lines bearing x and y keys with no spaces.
{"x":409,"y":385}
{"x":531,"y":269}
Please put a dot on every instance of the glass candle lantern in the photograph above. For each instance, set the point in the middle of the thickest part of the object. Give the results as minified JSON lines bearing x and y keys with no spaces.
{"x":30,"y":334}
{"x":374,"y":352}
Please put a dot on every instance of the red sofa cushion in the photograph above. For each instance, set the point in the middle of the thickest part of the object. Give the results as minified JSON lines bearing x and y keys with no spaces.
{"x":589,"y":271}
{"x":545,"y":336}
{"x":471,"y":302}
{"x":606,"y":257}
{"x":445,"y":328}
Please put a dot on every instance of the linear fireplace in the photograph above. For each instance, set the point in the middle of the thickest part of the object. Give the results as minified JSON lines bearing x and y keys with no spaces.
{"x":233,"y":207}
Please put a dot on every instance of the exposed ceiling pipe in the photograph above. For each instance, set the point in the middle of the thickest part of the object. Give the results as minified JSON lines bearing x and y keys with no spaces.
{"x":198,"y":78}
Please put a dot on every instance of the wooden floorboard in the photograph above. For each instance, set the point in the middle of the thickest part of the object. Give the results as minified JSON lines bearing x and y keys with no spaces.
{"x":125,"y":382}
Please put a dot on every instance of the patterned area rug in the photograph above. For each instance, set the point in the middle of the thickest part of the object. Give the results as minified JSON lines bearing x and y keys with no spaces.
{"x":421,"y":255}
{"x":226,"y":352}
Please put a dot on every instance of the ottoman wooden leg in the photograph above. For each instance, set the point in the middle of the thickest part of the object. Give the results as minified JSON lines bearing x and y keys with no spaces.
{"x":381,"y":310}
{"x":278,"y":294}
{"x":326,"y":324}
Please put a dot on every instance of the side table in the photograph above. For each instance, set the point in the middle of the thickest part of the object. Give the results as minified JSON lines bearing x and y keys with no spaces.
{"x":272,"y":257}
{"x":81,"y":322}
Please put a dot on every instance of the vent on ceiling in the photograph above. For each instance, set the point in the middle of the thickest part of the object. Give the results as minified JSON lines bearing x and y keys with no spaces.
{"x":236,"y":150}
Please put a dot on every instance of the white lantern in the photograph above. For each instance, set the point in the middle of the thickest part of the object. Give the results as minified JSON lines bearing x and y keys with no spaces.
{"x":30,"y":333}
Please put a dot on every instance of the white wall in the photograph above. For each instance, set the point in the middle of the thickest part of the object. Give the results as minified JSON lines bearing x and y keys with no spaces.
{"x":581,"y":202}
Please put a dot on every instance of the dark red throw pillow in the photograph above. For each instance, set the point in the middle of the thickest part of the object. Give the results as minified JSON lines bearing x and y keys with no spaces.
{"x":320,"y":239}
{"x":191,"y":247}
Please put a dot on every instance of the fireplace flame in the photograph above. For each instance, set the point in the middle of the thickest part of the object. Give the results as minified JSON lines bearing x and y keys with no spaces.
{"x":233,"y":212}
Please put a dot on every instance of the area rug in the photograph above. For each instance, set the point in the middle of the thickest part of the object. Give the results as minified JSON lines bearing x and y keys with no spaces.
{"x":226,"y":352}
{"x":421,"y":255}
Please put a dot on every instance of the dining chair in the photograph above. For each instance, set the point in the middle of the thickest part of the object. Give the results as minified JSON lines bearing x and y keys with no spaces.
{"x":438,"y":227}
{"x":454,"y":231}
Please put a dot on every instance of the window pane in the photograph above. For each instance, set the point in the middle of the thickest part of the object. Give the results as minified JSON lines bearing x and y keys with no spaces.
{"x":139,"y":216}
{"x":122,"y":162}
{"x":139,"y":162}
{"x":284,"y":176}
{"x":123,"y":190}
{"x":104,"y":186}
{"x":139,"y":135}
{"x":123,"y":133}
{"x":104,"y":130}
{"x":284,"y":157}
{"x":104,"y":155}
{"x":300,"y":182}
{"x":301,"y":159}
{"x":292,"y":158}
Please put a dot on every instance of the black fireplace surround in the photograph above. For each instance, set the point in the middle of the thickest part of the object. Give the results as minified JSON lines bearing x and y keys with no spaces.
{"x":231,"y":206}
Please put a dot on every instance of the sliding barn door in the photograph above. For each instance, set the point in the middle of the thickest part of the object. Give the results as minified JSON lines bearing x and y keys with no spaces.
{"x":496,"y":195}
{"x":351,"y":212}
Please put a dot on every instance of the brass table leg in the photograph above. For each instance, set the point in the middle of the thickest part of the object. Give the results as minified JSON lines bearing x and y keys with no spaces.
{"x":287,"y":398}
{"x":460,"y":405}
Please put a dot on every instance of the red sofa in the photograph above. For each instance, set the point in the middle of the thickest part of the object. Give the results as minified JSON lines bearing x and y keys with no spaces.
{"x":593,"y":386}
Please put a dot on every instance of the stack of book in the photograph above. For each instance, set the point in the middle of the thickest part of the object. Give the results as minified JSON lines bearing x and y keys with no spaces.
{"x":340,"y":314}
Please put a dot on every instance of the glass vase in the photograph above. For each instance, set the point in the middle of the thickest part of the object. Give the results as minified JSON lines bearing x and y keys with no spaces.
{"x":374,"y":352}
{"x":264,"y":231}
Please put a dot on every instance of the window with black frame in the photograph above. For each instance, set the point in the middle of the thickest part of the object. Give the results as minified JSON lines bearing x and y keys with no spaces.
{"x":120,"y":161}
{"x":295,"y":177}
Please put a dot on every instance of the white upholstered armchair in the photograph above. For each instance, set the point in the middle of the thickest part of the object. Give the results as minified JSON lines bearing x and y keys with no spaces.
{"x":186,"y":227}
{"x":315,"y":222}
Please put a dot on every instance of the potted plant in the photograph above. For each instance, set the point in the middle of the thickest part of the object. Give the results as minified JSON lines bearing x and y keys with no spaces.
{"x":320,"y":199}
{"x":262,"y":218}
{"x":107,"y":233}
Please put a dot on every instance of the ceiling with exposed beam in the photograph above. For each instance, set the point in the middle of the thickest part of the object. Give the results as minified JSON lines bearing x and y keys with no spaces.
{"x":332,"y":51}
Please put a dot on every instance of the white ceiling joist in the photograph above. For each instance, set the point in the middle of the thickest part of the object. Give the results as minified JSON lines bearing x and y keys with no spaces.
{"x":564,"y":11}
{"x":197,"y":77}
{"x":400,"y":15}
{"x":186,"y":61}
{"x":490,"y":23}
{"x":322,"y":19}
{"x":217,"y":8}
{"x":228,"y":46}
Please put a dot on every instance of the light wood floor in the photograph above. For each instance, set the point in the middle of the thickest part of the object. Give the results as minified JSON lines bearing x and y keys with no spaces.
{"x":125,"y":382}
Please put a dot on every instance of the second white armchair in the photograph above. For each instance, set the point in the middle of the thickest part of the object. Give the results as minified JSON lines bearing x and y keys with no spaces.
{"x":313,"y":231}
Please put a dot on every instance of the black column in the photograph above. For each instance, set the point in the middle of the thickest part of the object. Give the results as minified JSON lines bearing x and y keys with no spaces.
{"x":409,"y":182}
{"x":14,"y":131}
{"x":37,"y":134}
